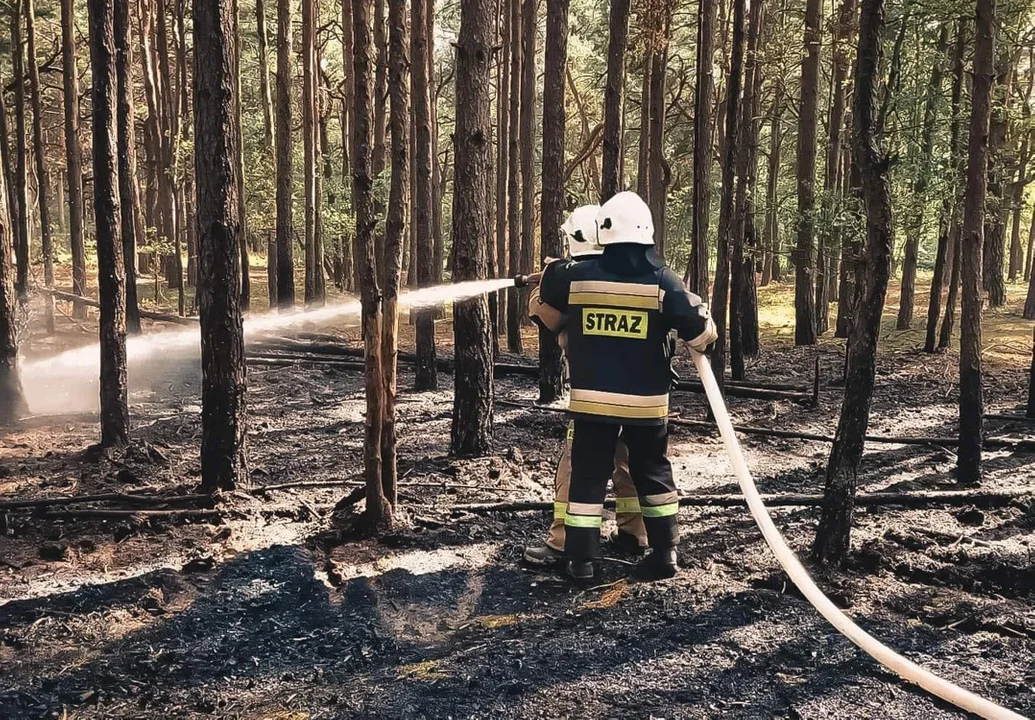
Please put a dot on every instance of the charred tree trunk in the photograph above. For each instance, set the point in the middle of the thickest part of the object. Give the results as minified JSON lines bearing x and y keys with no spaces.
{"x":657,"y":167}
{"x":224,"y":463}
{"x":771,"y":233}
{"x":968,"y":464}
{"x":805,"y":327}
{"x":378,"y":510}
{"x":285,"y":182}
{"x":46,"y":241}
{"x":551,"y":382}
{"x":395,"y":230}
{"x":264,"y":74}
{"x":614,"y":92}
{"x":12,"y":400}
{"x":426,"y":377}
{"x":472,"y":400}
{"x":527,"y":134}
{"x":514,"y":307}
{"x":129,"y":194}
{"x":111,"y":277}
{"x":311,"y":160}
{"x":697,"y":269}
{"x":727,"y":221}
{"x":994,"y":247}
{"x":21,"y":212}
{"x":833,"y":535}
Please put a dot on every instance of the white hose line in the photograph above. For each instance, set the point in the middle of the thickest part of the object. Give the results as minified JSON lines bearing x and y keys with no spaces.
{"x":887,"y":657}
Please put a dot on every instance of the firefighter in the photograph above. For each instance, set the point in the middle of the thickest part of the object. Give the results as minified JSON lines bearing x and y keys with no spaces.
{"x":622,"y":307}
{"x":580,"y":231}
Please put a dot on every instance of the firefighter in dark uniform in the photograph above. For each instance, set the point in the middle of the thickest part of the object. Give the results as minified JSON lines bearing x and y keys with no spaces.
{"x":621,"y":308}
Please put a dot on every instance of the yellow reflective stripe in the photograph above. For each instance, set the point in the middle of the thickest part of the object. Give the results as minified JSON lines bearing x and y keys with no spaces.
{"x":585,"y":508}
{"x":656,"y":511}
{"x":618,"y":288}
{"x":627,"y":505}
{"x":559,"y":510}
{"x":661,"y":498}
{"x":614,"y":300}
{"x":571,"y":431}
{"x":583,"y":521}
{"x":612,"y":398}
{"x":618,"y":411}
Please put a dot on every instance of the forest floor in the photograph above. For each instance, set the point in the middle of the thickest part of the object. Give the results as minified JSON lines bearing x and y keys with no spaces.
{"x":249,"y":614}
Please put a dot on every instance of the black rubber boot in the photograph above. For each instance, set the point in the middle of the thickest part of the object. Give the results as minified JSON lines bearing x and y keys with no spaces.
{"x":626,"y":543}
{"x":658,"y":565}
{"x":581,"y":571}
{"x":542,"y":556}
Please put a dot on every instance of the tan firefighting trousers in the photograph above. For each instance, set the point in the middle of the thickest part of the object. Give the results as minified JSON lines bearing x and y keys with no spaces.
{"x":627,"y":512}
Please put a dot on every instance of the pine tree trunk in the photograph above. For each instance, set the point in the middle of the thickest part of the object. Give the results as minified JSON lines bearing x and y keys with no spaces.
{"x":949,"y":321}
{"x":697,"y":267}
{"x":614,"y":92}
{"x":39,"y":153}
{"x":21,"y":212}
{"x":727,"y":210}
{"x":170,"y":133}
{"x":152,"y":131}
{"x":395,"y":231}
{"x":426,"y":377}
{"x":994,"y":246}
{"x":224,"y":463}
{"x":514,"y":296}
{"x":9,"y":197}
{"x":968,"y":464}
{"x":657,"y":167}
{"x":643,"y":146}
{"x":111,"y":277}
{"x":129,"y":194}
{"x":12,"y":400}
{"x":285,"y":181}
{"x":805,"y":327}
{"x":348,"y":267}
{"x":264,"y":74}
{"x":551,"y":383}
{"x":378,"y":509}
{"x":1016,"y":252}
{"x":310,"y":146}
{"x":242,"y":211}
{"x":472,"y":400}
{"x":833,"y":534}
{"x":528,"y":141}
{"x":503,"y":130}
{"x":1029,"y":302}
{"x":771,"y":232}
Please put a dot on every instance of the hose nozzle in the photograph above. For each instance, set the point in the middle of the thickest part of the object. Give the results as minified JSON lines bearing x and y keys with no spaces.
{"x":522,"y":281}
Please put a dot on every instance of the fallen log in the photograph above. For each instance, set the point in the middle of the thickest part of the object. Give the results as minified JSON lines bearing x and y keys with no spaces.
{"x":161,"y":317}
{"x":144,"y":514}
{"x":128,"y":498}
{"x":909,"y":499}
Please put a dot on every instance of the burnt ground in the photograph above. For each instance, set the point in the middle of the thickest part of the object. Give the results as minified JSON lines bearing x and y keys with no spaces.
{"x":247,"y":615}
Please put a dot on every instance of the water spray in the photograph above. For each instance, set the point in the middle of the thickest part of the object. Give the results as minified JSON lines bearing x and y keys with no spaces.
{"x":906,"y":669}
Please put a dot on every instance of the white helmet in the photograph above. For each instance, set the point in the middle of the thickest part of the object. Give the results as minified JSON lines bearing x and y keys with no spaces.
{"x":580,"y":230}
{"x":625,"y":218}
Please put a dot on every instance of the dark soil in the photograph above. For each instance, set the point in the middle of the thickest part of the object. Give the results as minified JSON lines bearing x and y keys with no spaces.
{"x":251,"y":615}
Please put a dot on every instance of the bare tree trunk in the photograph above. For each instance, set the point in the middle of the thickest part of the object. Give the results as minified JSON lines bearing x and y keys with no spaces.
{"x":242,"y":210}
{"x":614,"y":92}
{"x":503,"y":131}
{"x":771,"y":232}
{"x":643,"y":146}
{"x":378,"y":510}
{"x":285,"y":182}
{"x":994,"y":247}
{"x":311,"y":160}
{"x":472,"y":400}
{"x":12,"y":400}
{"x":528,"y":140}
{"x":833,"y":534}
{"x":224,"y":463}
{"x":805,"y":327}
{"x":395,"y":231}
{"x":956,"y":248}
{"x":426,"y":377}
{"x":657,"y":166}
{"x":1029,"y":303}
{"x":697,"y":268}
{"x":1016,"y":252}
{"x":551,"y":382}
{"x":129,"y":194}
{"x":46,"y":240}
{"x":514,"y":307}
{"x":727,"y":221}
{"x":111,"y":276}
{"x":348,"y":269}
{"x":21,"y":218}
{"x":968,"y":464}
{"x":169,"y":136}
{"x":264,"y":74}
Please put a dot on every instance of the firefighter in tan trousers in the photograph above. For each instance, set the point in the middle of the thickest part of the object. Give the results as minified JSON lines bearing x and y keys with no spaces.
{"x":580,"y":231}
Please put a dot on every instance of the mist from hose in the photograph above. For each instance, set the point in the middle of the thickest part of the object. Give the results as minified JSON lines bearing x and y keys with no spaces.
{"x":68,"y":382}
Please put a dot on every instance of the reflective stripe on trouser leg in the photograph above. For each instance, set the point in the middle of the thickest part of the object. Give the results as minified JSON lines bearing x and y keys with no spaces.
{"x":627,"y":507}
{"x":652,"y":473}
{"x":561,"y":482}
{"x":592,"y":463}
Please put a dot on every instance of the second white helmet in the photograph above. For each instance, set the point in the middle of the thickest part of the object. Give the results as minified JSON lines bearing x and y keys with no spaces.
{"x":625,"y":218}
{"x":580,"y":230}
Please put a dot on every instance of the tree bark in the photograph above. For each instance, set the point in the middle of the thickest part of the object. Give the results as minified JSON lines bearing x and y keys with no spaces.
{"x":528,"y":139}
{"x":614,"y":91}
{"x":242,"y":210}
{"x":9,"y":177}
{"x":514,"y":266}
{"x":46,"y":241}
{"x":264,"y":74}
{"x":968,"y":464}
{"x":1029,"y":303}
{"x":948,"y":323}
{"x":224,"y":463}
{"x":657,"y":167}
{"x":111,"y":277}
{"x":12,"y":400}
{"x":833,"y":534}
{"x":1016,"y":253}
{"x":503,"y":131}
{"x":771,"y":232}
{"x":471,"y":432}
{"x":285,"y":181}
{"x":994,"y":243}
{"x":426,"y":376}
{"x":727,"y":221}
{"x":129,"y":195}
{"x":170,"y":134}
{"x":378,"y":509}
{"x":805,"y":328}
{"x":697,"y":268}
{"x":395,"y":231}
{"x":21,"y":212}
{"x":314,"y":294}
{"x":348,"y":267}
{"x":551,"y":382}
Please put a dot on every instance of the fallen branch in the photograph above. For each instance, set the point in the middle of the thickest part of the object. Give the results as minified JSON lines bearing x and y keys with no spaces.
{"x":361,"y":483}
{"x":129,"y":499}
{"x":161,"y":317}
{"x":910,"y":499}
{"x":143,"y":514}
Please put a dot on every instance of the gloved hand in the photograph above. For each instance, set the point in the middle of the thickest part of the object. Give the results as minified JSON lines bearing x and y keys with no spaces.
{"x":708,"y":336}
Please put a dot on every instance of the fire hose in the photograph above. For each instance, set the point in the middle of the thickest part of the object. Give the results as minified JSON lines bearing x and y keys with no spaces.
{"x":906,"y":669}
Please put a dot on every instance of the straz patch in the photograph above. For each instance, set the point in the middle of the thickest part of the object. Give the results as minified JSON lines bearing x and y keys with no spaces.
{"x":611,"y":322}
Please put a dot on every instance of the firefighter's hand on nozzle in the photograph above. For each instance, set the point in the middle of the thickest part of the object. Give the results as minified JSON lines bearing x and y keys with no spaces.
{"x":711,"y":334}
{"x":522,"y":281}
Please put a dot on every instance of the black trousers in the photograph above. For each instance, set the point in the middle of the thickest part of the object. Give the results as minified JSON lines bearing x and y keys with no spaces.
{"x":592,"y":461}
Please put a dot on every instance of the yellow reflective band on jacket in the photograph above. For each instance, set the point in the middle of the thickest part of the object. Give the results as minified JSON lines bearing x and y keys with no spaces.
{"x":559,"y":510}
{"x":619,"y":405}
{"x":627,"y":506}
{"x":583,"y":521}
{"x":656,"y":511}
{"x":615,"y":294}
